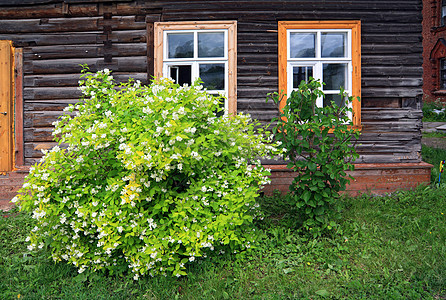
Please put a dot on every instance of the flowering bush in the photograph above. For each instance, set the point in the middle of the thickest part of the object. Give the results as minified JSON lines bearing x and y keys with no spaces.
{"x":150,"y":179}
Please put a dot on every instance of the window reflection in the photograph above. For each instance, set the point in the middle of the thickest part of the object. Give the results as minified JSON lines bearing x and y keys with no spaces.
{"x":333,"y":44}
{"x":334,"y":76}
{"x":302,"y":45}
{"x":211,"y":44}
{"x":213,"y":76}
{"x":180,"y":45}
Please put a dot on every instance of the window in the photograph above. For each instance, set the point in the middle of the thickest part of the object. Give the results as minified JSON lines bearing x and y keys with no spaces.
{"x":185,"y":51}
{"x":325,"y":50}
{"x":443,"y":13}
{"x":438,"y":65}
{"x":442,"y":74}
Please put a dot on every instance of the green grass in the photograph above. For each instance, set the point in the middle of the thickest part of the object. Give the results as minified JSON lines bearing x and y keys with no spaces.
{"x":390,"y":247}
{"x":435,"y":134}
{"x":434,"y":156}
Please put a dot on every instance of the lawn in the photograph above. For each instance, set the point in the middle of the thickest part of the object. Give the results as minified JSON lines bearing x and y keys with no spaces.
{"x":391,"y":247}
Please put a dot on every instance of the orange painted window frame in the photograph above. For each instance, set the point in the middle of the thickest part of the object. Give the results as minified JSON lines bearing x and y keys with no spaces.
{"x":355,"y":27}
{"x":231,"y":26}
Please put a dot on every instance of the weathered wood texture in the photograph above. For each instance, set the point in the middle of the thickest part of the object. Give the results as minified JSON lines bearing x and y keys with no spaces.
{"x":57,"y":36}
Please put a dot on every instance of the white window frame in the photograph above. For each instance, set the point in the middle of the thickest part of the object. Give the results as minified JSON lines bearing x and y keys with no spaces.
{"x":163,"y":62}
{"x":318,"y":61}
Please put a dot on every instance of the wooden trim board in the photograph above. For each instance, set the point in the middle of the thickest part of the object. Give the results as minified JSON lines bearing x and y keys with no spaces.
{"x":6,"y":106}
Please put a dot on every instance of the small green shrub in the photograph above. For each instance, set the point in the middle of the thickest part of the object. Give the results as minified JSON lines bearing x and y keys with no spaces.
{"x":318,"y":142}
{"x":150,"y":181}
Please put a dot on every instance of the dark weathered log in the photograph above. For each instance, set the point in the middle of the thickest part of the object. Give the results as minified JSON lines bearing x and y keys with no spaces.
{"x":49,"y":25}
{"x":56,"y":10}
{"x":40,"y":119}
{"x":51,"y":93}
{"x":72,"y":80}
{"x":39,"y":134}
{"x":57,"y":66}
{"x":54,"y":105}
{"x":34,"y":150}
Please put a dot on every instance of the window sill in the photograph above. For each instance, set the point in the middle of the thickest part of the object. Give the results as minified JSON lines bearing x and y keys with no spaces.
{"x":439,"y":93}
{"x":438,"y":29}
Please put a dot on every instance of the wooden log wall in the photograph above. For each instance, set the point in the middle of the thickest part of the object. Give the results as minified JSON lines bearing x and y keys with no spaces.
{"x":57,"y":36}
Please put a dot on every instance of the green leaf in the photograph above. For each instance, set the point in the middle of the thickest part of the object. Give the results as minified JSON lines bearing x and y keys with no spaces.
{"x":306,"y":196}
{"x":324,"y":293}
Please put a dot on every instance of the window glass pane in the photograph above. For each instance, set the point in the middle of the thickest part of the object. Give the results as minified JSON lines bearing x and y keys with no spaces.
{"x":213,"y":76}
{"x":302,"y":45}
{"x":181,"y":74}
{"x":442,"y":74}
{"x":334,"y":76}
{"x":180,"y":45}
{"x":338,"y":99}
{"x":333,"y":44}
{"x":301,"y":73}
{"x":443,"y":13}
{"x":211,"y":44}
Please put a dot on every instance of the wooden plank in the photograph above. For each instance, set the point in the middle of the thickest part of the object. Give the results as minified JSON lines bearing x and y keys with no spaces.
{"x":34,"y":150}
{"x":57,"y":66}
{"x":79,"y":24}
{"x":392,"y":92}
{"x":38,"y":39}
{"x":41,"y":134}
{"x":232,"y":68}
{"x":62,"y":51}
{"x":49,"y":25}
{"x":50,"y":93}
{"x":125,"y":36}
{"x":56,"y":10}
{"x":18,"y":95}
{"x":394,"y":48}
{"x":40,"y":119}
{"x":72,"y":80}
{"x":150,"y":50}
{"x":53,"y":105}
{"x":6,"y":105}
